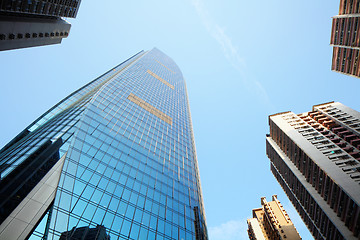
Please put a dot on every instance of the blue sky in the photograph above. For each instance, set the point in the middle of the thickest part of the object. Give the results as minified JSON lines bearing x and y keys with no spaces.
{"x":242,"y":60}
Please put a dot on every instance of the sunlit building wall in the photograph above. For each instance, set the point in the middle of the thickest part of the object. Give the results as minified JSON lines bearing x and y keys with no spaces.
{"x":116,"y":155}
{"x":315,"y":158}
{"x":271,"y":221}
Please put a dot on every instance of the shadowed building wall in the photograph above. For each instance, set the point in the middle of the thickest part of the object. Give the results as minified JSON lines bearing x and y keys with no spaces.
{"x":30,"y":23}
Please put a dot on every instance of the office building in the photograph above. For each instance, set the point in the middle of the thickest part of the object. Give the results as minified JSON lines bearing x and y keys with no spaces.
{"x":86,"y":233}
{"x":30,"y":23}
{"x":118,"y":153}
{"x":315,"y":158}
{"x":345,"y":38}
{"x":271,"y":221}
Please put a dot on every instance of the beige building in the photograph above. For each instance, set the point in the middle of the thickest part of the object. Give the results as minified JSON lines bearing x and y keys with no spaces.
{"x":271,"y":222}
{"x":315,"y":157}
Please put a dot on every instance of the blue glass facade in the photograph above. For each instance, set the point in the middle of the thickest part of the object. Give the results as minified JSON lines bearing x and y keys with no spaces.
{"x":130,"y":161}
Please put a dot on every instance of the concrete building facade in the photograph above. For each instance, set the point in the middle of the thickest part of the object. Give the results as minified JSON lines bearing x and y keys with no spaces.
{"x":30,"y":23}
{"x":345,"y":38}
{"x":271,"y":222}
{"x":315,"y":158}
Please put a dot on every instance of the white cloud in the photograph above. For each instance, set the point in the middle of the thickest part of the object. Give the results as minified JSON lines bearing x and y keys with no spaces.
{"x":218,"y":33}
{"x":231,"y":52}
{"x":231,"y":230}
{"x":261,"y":92}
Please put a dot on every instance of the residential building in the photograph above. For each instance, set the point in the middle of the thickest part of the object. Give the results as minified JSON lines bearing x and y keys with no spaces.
{"x":272,"y":222}
{"x":117,"y":153}
{"x":315,"y":158}
{"x":345,"y":38}
{"x":30,"y":23}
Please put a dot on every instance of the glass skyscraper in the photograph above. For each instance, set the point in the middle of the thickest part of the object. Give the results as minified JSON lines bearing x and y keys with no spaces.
{"x":115,"y":160}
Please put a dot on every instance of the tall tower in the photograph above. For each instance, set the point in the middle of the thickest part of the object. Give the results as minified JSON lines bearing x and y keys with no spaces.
{"x":116,"y":155}
{"x":271,"y":221}
{"x":345,"y":38}
{"x":30,"y":23}
{"x":315,"y":158}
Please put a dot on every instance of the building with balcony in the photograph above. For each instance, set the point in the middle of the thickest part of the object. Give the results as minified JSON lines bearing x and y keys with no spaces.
{"x":30,"y":23}
{"x":272,"y":222}
{"x":345,"y":38}
{"x":315,"y":156}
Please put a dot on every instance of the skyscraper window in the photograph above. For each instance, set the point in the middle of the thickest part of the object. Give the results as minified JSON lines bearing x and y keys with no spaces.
{"x":101,"y":161}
